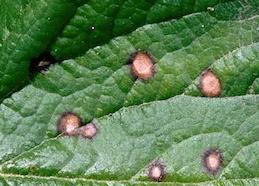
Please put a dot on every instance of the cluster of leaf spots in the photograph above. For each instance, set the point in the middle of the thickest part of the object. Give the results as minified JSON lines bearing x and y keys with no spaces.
{"x":100,"y":82}
{"x":186,"y":143}
{"x":30,"y":27}
{"x":212,"y":161}
{"x":71,"y":124}
{"x":211,"y":53}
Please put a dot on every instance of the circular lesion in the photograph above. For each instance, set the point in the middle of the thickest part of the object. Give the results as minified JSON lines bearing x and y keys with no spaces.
{"x":142,"y":65}
{"x":156,"y":171}
{"x":68,"y":123}
{"x":212,"y":161}
{"x":88,"y":131}
{"x":209,"y":84}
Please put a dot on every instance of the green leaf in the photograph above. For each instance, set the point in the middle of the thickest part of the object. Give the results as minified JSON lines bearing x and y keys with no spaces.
{"x":175,"y":132}
{"x":97,"y":22}
{"x":11,"y":180}
{"x":229,"y":69}
{"x":100,"y":82}
{"x":254,"y":88}
{"x":27,"y":28}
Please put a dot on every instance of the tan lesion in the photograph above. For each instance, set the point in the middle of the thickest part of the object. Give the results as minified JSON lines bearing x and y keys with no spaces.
{"x":88,"y":131}
{"x":156,"y":171}
{"x":210,"y":85}
{"x":142,"y":66}
{"x":212,"y":160}
{"x":68,"y":123}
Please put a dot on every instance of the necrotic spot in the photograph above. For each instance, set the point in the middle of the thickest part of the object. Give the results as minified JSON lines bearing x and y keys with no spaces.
{"x":210,"y":84}
{"x":41,"y":63}
{"x":88,"y":131}
{"x":212,"y":161}
{"x":156,"y":171}
{"x":142,"y":65}
{"x":68,"y":123}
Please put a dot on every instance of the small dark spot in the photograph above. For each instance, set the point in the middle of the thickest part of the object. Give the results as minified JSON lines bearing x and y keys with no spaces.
{"x":156,"y":171}
{"x":212,"y":161}
{"x":88,"y":131}
{"x":42,"y":63}
{"x":210,"y":85}
{"x":68,"y":123}
{"x":142,"y":65}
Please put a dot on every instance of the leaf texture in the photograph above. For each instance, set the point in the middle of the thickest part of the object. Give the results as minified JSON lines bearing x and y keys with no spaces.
{"x":96,"y":22}
{"x":135,"y":128}
{"x":27,"y":28}
{"x":100,"y":82}
{"x":176,"y":132}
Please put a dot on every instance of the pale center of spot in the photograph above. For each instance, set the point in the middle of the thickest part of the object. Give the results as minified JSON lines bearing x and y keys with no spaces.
{"x":210,"y":84}
{"x":156,"y":172}
{"x":213,"y":161}
{"x":142,"y":66}
{"x":88,"y":131}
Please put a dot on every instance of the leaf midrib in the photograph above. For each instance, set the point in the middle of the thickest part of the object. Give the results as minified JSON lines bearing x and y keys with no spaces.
{"x":49,"y":178}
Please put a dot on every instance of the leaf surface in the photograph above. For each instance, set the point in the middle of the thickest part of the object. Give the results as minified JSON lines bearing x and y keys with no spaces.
{"x":100,"y":82}
{"x":96,"y":22}
{"x":224,"y":39}
{"x":27,"y":28}
{"x":175,"y":132}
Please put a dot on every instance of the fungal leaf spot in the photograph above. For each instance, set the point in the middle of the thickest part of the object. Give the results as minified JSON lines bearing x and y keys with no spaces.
{"x":212,"y":161}
{"x":88,"y":131}
{"x":210,"y":84}
{"x":68,"y":123}
{"x":142,"y":65}
{"x":156,"y":171}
